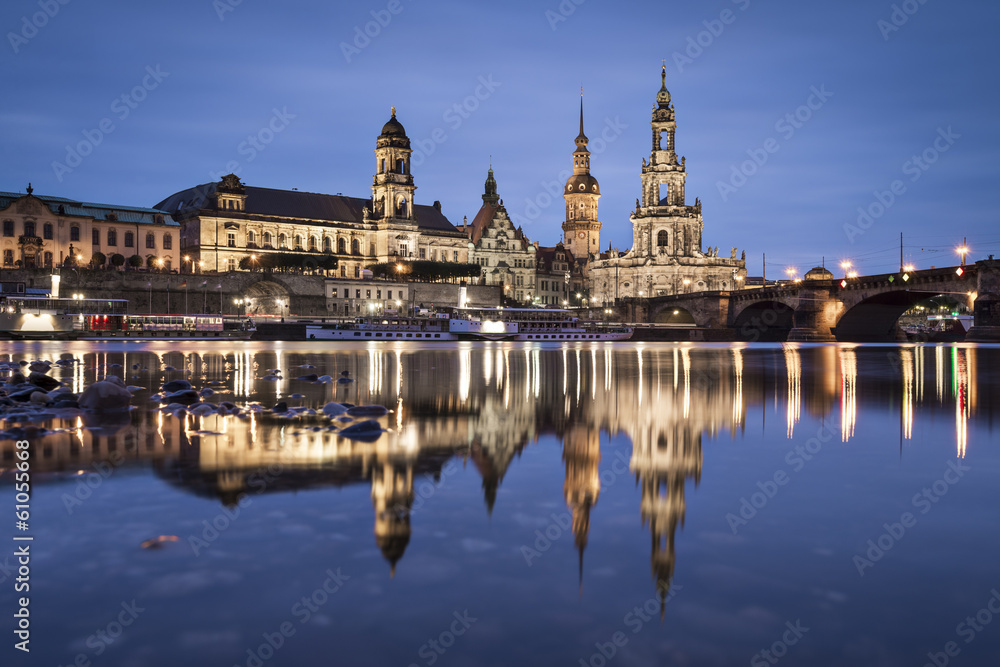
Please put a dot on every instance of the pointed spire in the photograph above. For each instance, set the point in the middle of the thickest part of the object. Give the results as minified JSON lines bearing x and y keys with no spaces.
{"x":663,"y":97}
{"x":581,"y":139}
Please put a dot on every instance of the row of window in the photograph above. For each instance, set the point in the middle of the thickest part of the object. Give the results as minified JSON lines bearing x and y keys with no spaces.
{"x":30,"y":229}
{"x":400,"y":294}
{"x":129,"y":238}
{"x":8,"y":258}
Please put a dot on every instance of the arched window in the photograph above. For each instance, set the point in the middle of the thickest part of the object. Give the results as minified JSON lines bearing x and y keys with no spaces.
{"x":312,"y":243}
{"x":267,"y":239}
{"x":341,"y":247}
{"x":298,"y":242}
{"x":371,"y":249}
{"x":47,"y":230}
{"x":327,"y":244}
{"x":251,"y":239}
{"x":95,"y":236}
{"x":282,"y":242}
{"x":355,"y":247}
{"x":74,"y":233}
{"x":29,"y":228}
{"x":112,"y":237}
{"x":129,"y":240}
{"x":662,"y":238}
{"x":168,"y":242}
{"x":150,"y":240}
{"x":48,"y":259}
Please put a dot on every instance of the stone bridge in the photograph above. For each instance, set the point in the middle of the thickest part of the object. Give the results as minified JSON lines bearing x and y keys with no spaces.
{"x":865,"y":308}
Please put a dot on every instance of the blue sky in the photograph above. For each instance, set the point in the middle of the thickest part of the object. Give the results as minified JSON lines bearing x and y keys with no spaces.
{"x":164,"y":96}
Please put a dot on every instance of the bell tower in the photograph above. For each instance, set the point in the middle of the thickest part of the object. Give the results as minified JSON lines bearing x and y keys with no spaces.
{"x":663,"y":223}
{"x":581,"y":229}
{"x":392,"y":187}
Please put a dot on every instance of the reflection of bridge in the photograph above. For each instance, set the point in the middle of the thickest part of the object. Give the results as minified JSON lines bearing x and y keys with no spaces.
{"x":857,"y":309}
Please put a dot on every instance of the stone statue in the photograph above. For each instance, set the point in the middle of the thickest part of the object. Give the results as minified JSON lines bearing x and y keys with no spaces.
{"x":744,"y":256}
{"x":732,"y":254}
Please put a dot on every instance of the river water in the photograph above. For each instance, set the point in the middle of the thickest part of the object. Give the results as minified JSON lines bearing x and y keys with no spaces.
{"x":528,"y":504}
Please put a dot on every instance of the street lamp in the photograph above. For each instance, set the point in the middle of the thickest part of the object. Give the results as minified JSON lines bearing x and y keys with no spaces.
{"x":846,"y":266}
{"x":791,"y":271}
{"x":962,"y":250}
{"x":187,"y":258}
{"x":852,"y":274}
{"x":909,"y":268}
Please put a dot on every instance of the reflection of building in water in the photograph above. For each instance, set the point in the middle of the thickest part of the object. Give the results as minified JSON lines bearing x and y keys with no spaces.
{"x":392,"y":495}
{"x":582,"y":486}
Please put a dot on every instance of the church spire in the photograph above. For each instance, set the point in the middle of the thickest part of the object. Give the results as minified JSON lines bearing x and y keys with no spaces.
{"x":581,"y":139}
{"x":663,"y":97}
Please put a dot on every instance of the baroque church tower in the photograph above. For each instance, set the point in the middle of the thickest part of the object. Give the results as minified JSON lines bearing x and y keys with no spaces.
{"x":666,"y":256}
{"x":581,"y":229}
{"x":392,"y":191}
{"x":662,"y":223}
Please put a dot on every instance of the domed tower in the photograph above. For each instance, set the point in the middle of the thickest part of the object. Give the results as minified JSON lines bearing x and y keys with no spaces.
{"x":581,"y":229}
{"x":392,"y":496}
{"x":392,"y":187}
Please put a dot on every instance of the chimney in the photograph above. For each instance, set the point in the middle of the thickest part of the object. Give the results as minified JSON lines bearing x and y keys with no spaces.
{"x":437,"y":206}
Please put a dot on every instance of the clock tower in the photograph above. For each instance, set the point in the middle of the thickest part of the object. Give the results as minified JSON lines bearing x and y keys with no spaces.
{"x":582,"y":230}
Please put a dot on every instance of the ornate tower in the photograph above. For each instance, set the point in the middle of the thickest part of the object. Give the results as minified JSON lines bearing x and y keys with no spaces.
{"x":662,"y":223}
{"x":581,"y":229}
{"x":392,"y":187}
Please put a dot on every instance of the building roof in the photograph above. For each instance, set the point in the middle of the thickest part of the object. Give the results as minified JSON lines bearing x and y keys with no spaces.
{"x":545,"y":255}
{"x":294,"y":204}
{"x":64,"y":206}
{"x":482,"y":220}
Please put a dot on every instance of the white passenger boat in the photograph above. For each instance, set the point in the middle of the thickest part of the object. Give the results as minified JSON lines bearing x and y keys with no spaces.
{"x":521,"y":324}
{"x":45,"y":317}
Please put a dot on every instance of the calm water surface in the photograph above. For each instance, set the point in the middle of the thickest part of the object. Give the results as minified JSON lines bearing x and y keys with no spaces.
{"x":619,"y":504}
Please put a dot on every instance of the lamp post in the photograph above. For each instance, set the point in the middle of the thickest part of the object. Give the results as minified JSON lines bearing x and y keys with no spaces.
{"x":846,"y":266}
{"x":962,"y":250}
{"x":791,"y":272}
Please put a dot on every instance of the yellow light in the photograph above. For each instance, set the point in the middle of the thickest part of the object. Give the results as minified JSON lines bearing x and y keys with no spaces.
{"x":852,"y":274}
{"x":489,"y":326}
{"x":846,"y":264}
{"x":909,"y":267}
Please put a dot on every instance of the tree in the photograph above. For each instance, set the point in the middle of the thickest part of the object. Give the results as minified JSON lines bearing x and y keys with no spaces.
{"x":425,"y":271}
{"x":151,"y":262}
{"x":135,"y":261}
{"x":117,"y":260}
{"x":98,"y":260}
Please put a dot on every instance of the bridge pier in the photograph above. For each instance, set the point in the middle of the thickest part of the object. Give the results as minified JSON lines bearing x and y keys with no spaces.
{"x":814,"y":318}
{"x":986,"y":309}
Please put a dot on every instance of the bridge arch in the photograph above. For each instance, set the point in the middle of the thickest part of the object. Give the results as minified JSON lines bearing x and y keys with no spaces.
{"x":764,"y":321}
{"x":267,"y":297}
{"x":874,"y":319}
{"x":677,"y":316}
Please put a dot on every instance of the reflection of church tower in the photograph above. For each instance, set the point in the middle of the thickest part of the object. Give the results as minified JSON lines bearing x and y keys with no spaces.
{"x":662,"y":471}
{"x":581,"y":229}
{"x":392,"y":495}
{"x":582,"y":454}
